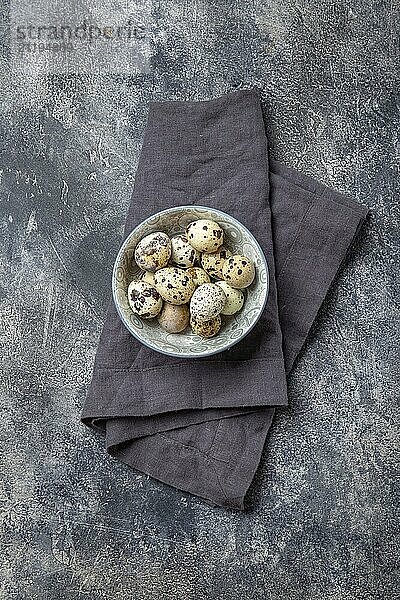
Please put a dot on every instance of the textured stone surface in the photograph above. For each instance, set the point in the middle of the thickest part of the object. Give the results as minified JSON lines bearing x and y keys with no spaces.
{"x":323,"y":520}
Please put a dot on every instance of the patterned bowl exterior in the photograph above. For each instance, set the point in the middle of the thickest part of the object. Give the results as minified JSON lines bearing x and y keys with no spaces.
{"x":237,"y":238}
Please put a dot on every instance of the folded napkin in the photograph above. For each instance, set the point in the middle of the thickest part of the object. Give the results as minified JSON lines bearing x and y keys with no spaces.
{"x":200,"y":424}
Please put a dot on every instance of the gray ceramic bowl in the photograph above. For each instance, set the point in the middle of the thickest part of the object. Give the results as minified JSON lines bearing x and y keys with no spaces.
{"x":238,"y":240}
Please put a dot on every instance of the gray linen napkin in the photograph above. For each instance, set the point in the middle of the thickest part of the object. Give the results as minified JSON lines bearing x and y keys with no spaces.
{"x":200,"y":424}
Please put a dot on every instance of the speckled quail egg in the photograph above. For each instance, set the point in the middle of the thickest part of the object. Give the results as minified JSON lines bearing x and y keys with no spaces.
{"x":153,"y":251}
{"x":174,"y":285}
{"x":234,"y":299}
{"x":238,"y":271}
{"x":212,"y":262}
{"x":205,"y":235}
{"x":148,"y":277}
{"x":174,"y":318}
{"x":144,"y":299}
{"x":198,"y":275}
{"x":206,"y":329}
{"x":183,"y":254}
{"x":207,"y":302}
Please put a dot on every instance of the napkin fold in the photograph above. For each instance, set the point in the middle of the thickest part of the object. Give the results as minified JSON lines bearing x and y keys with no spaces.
{"x":200,"y":424}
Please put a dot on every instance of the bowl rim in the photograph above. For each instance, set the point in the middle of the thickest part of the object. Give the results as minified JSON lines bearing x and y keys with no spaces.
{"x":172,"y":210}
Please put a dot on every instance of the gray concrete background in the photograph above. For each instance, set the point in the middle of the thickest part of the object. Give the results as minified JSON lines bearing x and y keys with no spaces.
{"x":323,"y":517}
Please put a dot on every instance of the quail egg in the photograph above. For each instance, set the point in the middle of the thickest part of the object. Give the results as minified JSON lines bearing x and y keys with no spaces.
{"x":183,"y":254}
{"x":206,"y":329}
{"x":174,"y":285}
{"x":153,"y":251}
{"x":234,"y":299}
{"x":174,"y":318}
{"x":198,"y":275}
{"x":238,"y":271}
{"x":148,"y":277}
{"x":144,"y":299}
{"x":213,"y":262}
{"x":207,"y":302}
{"x":205,"y":235}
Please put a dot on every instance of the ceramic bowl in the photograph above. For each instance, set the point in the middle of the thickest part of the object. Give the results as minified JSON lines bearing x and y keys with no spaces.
{"x":237,"y":239}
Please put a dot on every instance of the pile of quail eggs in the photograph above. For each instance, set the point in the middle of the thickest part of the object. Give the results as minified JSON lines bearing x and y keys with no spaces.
{"x":178,"y":291}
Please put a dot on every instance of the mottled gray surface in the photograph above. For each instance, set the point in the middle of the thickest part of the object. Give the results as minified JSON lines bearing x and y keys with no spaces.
{"x":323,"y":520}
